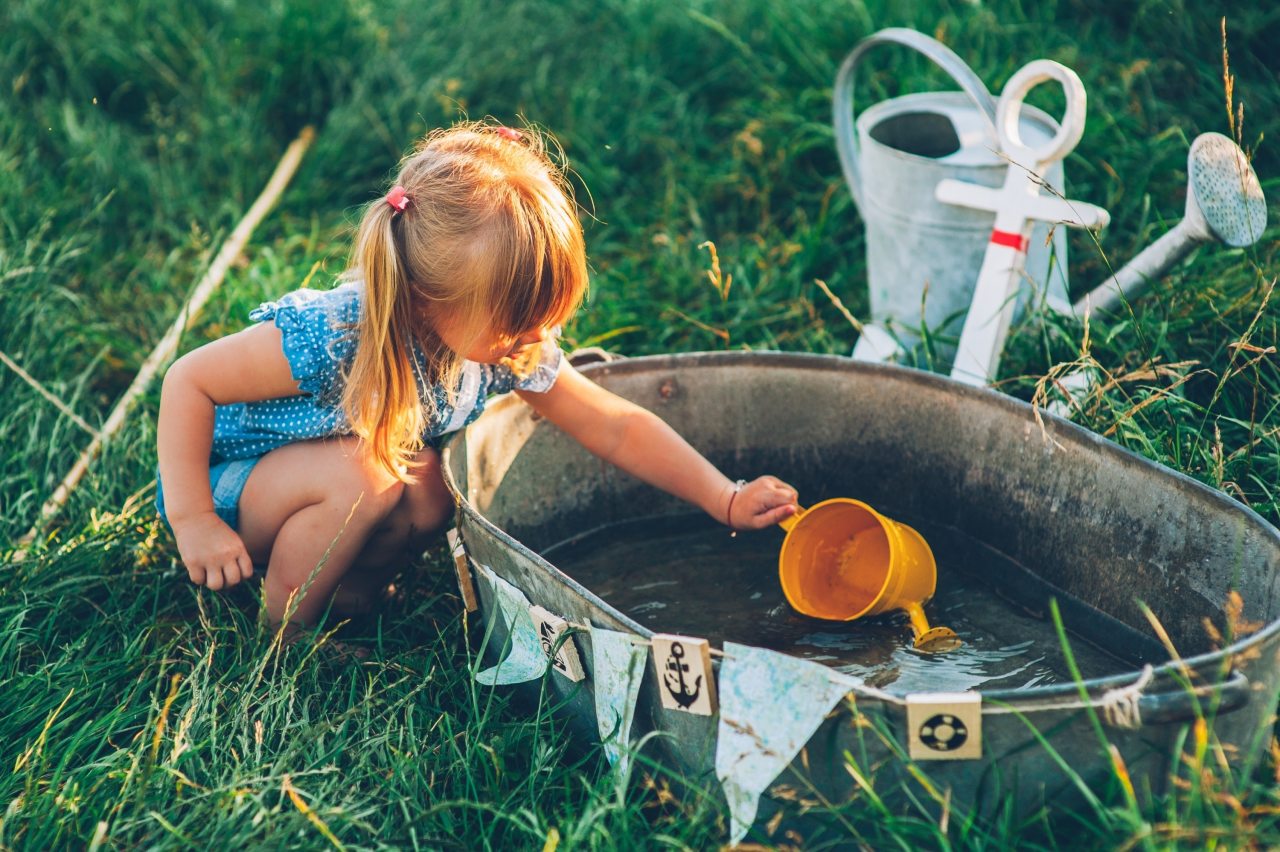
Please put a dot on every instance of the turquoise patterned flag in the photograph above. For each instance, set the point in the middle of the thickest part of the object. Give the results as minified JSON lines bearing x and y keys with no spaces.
{"x":526,"y":659}
{"x":617,"y":670}
{"x":770,"y":704}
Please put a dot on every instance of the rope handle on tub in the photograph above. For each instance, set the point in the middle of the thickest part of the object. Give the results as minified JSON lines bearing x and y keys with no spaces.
{"x":1120,"y":705}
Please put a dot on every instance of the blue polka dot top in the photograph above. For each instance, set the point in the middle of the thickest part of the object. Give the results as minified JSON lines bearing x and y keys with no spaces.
{"x":319,"y":335}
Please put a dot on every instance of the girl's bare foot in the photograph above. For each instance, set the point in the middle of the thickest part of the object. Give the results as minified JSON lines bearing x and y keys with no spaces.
{"x":350,"y":600}
{"x":341,"y":651}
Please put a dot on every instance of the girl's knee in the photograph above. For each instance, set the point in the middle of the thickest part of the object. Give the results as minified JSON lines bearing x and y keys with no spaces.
{"x":370,"y":490}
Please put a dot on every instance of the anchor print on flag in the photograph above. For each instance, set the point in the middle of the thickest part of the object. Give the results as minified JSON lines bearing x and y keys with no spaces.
{"x":684,"y":693}
{"x":564,"y":659}
{"x":547,"y":637}
{"x":685,"y":676}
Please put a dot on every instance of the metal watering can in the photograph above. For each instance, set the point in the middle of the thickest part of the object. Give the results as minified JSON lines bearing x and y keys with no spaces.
{"x":894,"y":155}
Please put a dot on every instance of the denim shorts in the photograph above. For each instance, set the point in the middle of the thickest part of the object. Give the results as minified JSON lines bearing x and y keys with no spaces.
{"x":227,"y":480}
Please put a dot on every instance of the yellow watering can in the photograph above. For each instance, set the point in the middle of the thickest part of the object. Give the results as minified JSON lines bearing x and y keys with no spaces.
{"x":842,"y":560}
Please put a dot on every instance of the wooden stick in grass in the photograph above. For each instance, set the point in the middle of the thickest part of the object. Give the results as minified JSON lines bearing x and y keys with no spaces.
{"x":168,"y":345}
{"x":49,"y":395}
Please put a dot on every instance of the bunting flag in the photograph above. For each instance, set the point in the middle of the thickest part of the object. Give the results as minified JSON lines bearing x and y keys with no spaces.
{"x":770,"y":704}
{"x":617,"y":670}
{"x":525,"y":660}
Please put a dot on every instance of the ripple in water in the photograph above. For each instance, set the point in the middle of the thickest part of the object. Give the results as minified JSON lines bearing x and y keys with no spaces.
{"x":686,"y":575}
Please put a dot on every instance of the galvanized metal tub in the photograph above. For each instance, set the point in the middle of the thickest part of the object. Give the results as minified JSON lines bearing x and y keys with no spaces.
{"x":1102,"y":526}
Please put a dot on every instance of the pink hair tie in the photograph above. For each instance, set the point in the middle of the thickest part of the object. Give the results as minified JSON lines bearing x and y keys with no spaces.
{"x":397,"y":199}
{"x":509,"y":133}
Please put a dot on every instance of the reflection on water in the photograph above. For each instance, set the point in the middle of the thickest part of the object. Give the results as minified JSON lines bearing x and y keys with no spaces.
{"x":686,"y":575}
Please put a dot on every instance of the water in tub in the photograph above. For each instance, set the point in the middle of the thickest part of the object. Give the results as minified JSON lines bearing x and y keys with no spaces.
{"x":686,"y":575}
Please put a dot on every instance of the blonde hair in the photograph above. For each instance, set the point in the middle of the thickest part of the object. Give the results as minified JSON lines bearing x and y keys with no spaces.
{"x":491,"y":235}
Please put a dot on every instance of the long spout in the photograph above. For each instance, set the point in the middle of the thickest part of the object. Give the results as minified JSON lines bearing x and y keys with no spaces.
{"x":931,"y":640}
{"x":1224,"y":203}
{"x":1133,"y":278}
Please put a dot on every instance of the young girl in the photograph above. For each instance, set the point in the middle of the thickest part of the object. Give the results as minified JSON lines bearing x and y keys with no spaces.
{"x":309,"y":438}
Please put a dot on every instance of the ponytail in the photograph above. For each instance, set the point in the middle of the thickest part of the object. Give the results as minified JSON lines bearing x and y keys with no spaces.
{"x":380,"y":396}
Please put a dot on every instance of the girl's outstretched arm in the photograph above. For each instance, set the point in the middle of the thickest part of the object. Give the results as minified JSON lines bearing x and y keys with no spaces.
{"x":641,"y":443}
{"x":243,"y":367}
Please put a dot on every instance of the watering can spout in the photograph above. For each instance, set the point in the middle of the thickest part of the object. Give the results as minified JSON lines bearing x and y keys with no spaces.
{"x":1224,"y":203}
{"x":926,"y":638}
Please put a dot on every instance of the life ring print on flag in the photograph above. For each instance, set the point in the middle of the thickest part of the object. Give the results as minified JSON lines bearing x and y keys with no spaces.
{"x":943,"y":732}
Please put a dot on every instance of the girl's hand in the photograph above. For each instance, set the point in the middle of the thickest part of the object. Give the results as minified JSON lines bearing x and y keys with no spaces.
{"x":213,"y":553}
{"x":761,"y":503}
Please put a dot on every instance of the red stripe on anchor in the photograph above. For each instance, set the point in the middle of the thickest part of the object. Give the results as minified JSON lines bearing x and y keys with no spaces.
{"x":1010,"y":239}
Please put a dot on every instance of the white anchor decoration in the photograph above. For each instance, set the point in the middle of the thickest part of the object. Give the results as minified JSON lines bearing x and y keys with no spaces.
{"x":1017,"y":204}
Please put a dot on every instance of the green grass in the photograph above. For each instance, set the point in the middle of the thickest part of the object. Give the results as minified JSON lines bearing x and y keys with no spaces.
{"x":136,"y":710}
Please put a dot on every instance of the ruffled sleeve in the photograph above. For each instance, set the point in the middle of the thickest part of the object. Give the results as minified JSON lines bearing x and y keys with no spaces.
{"x":539,"y":380}
{"x":317,"y":333}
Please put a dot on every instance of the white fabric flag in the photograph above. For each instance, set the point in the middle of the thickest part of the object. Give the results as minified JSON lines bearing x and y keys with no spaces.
{"x":770,"y":704}
{"x":526,"y":659}
{"x":617,"y":670}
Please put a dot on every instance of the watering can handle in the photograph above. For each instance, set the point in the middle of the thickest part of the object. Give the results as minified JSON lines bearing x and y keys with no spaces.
{"x":842,"y":98}
{"x":788,"y":522}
